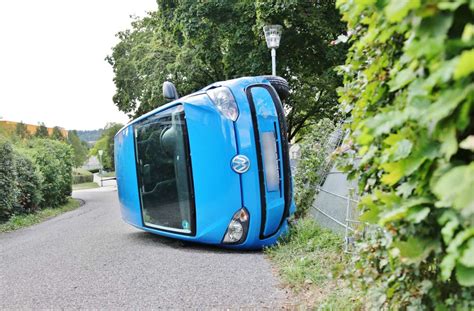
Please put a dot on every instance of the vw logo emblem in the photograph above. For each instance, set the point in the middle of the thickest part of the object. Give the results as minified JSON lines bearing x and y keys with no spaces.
{"x":240,"y":164}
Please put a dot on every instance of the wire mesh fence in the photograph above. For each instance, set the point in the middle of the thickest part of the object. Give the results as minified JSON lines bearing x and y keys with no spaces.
{"x":335,"y":204}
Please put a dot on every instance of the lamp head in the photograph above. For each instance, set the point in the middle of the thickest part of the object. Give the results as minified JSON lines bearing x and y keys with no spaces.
{"x":273,"y":35}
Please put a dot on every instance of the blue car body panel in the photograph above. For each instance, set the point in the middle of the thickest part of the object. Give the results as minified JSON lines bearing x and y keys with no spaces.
{"x":219,"y":192}
{"x":126,"y":174}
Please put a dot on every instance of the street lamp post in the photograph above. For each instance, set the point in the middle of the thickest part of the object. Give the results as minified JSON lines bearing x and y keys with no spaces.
{"x":101,"y":152}
{"x":273,"y":36}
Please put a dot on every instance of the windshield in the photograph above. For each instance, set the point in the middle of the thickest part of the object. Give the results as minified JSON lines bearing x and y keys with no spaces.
{"x":163,"y":171}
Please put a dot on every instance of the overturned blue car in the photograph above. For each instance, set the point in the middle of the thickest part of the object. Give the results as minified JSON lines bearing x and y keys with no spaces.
{"x":210,"y":167}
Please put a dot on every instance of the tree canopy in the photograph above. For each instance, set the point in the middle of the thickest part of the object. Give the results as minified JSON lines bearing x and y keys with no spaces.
{"x":79,"y":147}
{"x":106,"y":143}
{"x":196,"y":43}
{"x":57,"y":134}
{"x":41,"y":131}
{"x":21,"y":130}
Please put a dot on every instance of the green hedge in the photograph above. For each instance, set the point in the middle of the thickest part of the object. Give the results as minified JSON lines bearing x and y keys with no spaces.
{"x":55,"y":161}
{"x":80,"y":176}
{"x":79,"y":179}
{"x":8,"y":189}
{"x":33,"y":174}
{"x":408,"y":85}
{"x":29,"y":183}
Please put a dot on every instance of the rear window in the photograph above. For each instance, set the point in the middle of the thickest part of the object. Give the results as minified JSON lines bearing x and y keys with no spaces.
{"x":164,"y":174}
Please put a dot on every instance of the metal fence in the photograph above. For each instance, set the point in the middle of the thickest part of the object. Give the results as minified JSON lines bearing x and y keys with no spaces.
{"x":335,"y":204}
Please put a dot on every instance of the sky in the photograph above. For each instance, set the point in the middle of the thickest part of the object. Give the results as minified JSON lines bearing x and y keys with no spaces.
{"x":52,"y":66}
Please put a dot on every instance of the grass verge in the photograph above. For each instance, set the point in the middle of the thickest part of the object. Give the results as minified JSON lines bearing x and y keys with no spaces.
{"x":86,"y":185}
{"x":21,"y":221}
{"x":311,"y":262}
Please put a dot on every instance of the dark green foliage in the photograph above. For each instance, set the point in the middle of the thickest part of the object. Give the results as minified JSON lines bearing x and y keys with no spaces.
{"x":55,"y":161}
{"x":106,"y":143}
{"x":29,"y":183}
{"x":79,"y":147}
{"x":41,"y":131}
{"x":315,"y":154}
{"x":408,"y":85}
{"x":57,"y":134}
{"x":194,"y":43}
{"x":8,"y":189}
{"x":306,"y":57}
{"x":21,"y":130}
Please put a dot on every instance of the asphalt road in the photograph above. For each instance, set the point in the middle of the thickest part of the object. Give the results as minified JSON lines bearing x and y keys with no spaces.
{"x":89,"y":258}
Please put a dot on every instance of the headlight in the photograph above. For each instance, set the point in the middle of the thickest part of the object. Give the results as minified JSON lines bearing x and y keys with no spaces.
{"x":238,"y":228}
{"x":225,"y":102}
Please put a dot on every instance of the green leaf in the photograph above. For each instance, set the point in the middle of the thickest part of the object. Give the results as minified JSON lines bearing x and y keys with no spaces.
{"x":446,"y":104}
{"x":405,"y":189}
{"x":465,"y":275}
{"x":465,"y":65}
{"x":449,"y":142}
{"x":447,"y":266}
{"x":393,"y":215}
{"x":384,"y":122}
{"x":468,"y":143}
{"x":396,"y":10}
{"x":460,"y":238}
{"x":467,"y":257}
{"x":395,"y":171}
{"x":399,"y":150}
{"x":401,"y":79}
{"x":450,"y":5}
{"x":414,"y":249}
{"x":454,"y":188}
{"x":448,"y":230}
{"x":418,"y":214}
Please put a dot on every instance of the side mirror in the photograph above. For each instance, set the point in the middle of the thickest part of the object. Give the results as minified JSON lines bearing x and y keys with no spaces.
{"x":169,"y":91}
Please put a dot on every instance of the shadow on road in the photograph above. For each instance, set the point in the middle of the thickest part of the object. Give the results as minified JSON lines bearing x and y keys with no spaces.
{"x":150,"y":239}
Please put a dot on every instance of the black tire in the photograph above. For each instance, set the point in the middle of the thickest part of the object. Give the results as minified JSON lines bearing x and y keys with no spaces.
{"x":280,"y":85}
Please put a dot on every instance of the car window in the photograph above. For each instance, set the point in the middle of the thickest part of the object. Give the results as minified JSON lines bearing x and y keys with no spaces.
{"x":163,"y":171}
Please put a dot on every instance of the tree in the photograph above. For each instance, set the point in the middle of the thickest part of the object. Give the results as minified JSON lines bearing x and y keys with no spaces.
{"x":307,"y":57}
{"x":21,"y":130}
{"x":57,"y":133}
{"x":196,"y":43}
{"x":106,"y":143}
{"x":42,"y":131}
{"x":79,"y":147}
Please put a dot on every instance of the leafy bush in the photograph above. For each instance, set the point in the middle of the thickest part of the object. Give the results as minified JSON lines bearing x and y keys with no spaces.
{"x":80,"y":176}
{"x":314,"y":155}
{"x":29,"y":183}
{"x":55,"y":161}
{"x":408,"y":85}
{"x":8,"y":189}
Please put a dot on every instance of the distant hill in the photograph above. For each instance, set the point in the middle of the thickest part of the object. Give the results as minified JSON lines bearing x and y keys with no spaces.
{"x":10,"y":127}
{"x":90,"y":136}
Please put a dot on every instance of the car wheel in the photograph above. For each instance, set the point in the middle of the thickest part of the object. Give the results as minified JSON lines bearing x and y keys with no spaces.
{"x":280,"y":85}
